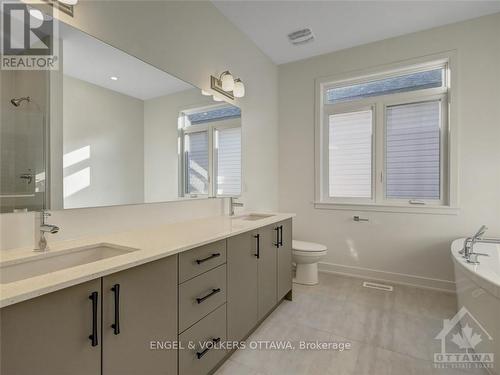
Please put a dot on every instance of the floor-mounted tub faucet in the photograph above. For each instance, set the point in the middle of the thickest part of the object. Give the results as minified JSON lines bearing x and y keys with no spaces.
{"x":41,"y":227}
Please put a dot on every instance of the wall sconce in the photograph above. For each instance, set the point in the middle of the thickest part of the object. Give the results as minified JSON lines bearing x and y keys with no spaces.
{"x":227,"y":85}
{"x":65,"y":6}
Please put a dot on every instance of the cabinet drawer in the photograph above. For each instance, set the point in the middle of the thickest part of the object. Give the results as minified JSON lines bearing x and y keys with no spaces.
{"x":200,"y":296}
{"x":194,"y":262}
{"x":198,"y":360}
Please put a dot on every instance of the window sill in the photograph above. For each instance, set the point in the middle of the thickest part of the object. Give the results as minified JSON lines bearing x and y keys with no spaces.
{"x":410,"y":209}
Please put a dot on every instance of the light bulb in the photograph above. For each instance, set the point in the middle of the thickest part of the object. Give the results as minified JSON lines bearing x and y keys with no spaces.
{"x":227,"y":81}
{"x":239,"y":89}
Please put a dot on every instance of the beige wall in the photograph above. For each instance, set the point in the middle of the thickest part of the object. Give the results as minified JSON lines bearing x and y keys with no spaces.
{"x":409,"y":244}
{"x":190,"y":40}
{"x":110,"y":124}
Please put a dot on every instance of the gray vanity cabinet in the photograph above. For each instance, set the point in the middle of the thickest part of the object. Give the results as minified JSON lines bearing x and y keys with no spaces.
{"x":140,"y":307}
{"x":284,"y":258}
{"x":49,"y":335}
{"x":267,"y":275}
{"x":242,"y":285}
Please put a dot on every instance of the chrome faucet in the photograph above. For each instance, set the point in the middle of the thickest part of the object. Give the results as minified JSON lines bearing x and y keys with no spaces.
{"x":41,"y":227}
{"x":468,"y":250}
{"x":233,"y":204}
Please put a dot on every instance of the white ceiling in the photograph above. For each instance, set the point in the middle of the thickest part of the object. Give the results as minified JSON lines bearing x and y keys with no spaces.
{"x":91,"y":60}
{"x":341,"y":24}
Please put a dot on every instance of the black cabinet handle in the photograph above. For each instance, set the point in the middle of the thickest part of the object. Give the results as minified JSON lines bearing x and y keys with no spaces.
{"x":200,"y":261}
{"x":205,"y":351}
{"x":93,"y":337}
{"x":281,"y":235}
{"x":257,"y":237}
{"x":214,"y":291}
{"x":116,"y":324}
{"x":277,"y":244}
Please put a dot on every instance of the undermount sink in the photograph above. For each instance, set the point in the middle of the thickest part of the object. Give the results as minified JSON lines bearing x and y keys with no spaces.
{"x":254,"y":217}
{"x":48,"y":262}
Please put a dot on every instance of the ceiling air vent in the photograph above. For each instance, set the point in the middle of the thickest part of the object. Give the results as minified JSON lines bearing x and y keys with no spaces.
{"x":301,"y":36}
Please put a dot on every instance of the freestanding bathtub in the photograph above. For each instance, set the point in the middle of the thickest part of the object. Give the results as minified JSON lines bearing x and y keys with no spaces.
{"x":478,"y":290}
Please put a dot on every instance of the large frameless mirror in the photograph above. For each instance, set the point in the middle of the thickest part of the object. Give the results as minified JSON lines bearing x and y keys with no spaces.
{"x":120,"y":132}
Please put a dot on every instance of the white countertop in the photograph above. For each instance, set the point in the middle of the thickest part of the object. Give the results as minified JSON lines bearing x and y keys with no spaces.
{"x":151,"y":244}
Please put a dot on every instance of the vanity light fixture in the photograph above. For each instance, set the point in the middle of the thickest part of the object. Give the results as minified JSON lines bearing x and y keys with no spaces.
{"x":69,"y":2}
{"x":227,"y":85}
{"x":66,"y":6}
{"x":239,"y":88}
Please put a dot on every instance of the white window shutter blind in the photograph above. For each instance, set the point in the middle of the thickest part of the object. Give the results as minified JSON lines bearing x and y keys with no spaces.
{"x":228,"y":151}
{"x":196,"y":148}
{"x":350,"y":155}
{"x":413,"y":151}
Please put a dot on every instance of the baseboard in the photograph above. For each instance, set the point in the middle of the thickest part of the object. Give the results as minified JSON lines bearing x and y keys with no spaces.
{"x":390,"y":277}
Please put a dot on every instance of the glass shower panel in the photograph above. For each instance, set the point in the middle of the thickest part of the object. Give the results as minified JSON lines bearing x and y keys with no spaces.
{"x":22,"y":161}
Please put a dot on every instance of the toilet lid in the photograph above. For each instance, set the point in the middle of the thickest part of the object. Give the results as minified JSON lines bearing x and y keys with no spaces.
{"x":307,"y":246}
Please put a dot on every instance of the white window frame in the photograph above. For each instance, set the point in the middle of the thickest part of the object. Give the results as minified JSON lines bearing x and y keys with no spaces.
{"x":210,"y":128}
{"x":448,"y":204}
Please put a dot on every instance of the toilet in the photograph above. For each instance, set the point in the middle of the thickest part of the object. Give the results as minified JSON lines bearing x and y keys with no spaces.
{"x":306,"y":256}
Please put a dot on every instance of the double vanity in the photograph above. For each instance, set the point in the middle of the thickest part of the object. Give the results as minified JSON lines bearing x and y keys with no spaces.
{"x":163,"y":300}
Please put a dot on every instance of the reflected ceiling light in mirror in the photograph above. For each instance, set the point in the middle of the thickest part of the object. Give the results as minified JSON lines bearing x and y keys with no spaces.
{"x":239,"y":88}
{"x":113,"y":78}
{"x":225,"y":84}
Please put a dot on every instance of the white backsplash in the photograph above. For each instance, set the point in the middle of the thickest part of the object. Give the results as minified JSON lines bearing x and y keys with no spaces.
{"x":17,"y":230}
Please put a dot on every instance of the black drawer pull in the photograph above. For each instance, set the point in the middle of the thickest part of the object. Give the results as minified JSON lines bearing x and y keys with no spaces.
{"x":116,"y":324}
{"x":205,"y":351}
{"x":214,"y":291}
{"x":277,"y":244}
{"x":257,"y":237}
{"x":200,"y":261}
{"x":93,"y":336}
{"x":281,"y":235}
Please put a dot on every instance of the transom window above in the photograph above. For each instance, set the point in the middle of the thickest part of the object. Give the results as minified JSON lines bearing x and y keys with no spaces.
{"x":384,"y":139}
{"x":391,"y":85}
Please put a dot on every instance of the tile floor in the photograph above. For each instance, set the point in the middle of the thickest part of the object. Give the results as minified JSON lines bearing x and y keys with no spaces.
{"x":390,"y":332}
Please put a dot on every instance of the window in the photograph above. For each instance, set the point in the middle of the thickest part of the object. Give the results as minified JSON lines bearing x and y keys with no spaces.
{"x":228,"y":163}
{"x":211,"y":151}
{"x":196,"y":156}
{"x":350,"y":154}
{"x":384,"y":139}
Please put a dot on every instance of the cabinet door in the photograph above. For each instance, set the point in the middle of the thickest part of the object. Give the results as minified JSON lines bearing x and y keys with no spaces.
{"x":49,"y":335}
{"x":242,"y":285}
{"x":267,"y":270}
{"x":285,"y":259}
{"x":147,"y":309}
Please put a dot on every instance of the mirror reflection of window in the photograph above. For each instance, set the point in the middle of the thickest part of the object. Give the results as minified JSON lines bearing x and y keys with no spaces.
{"x":212,"y":151}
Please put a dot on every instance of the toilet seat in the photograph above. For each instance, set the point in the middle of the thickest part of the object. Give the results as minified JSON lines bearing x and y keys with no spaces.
{"x":307,"y":247}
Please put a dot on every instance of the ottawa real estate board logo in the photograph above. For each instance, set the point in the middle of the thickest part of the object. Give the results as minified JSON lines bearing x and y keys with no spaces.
{"x":28,"y":38}
{"x":465,"y":343}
